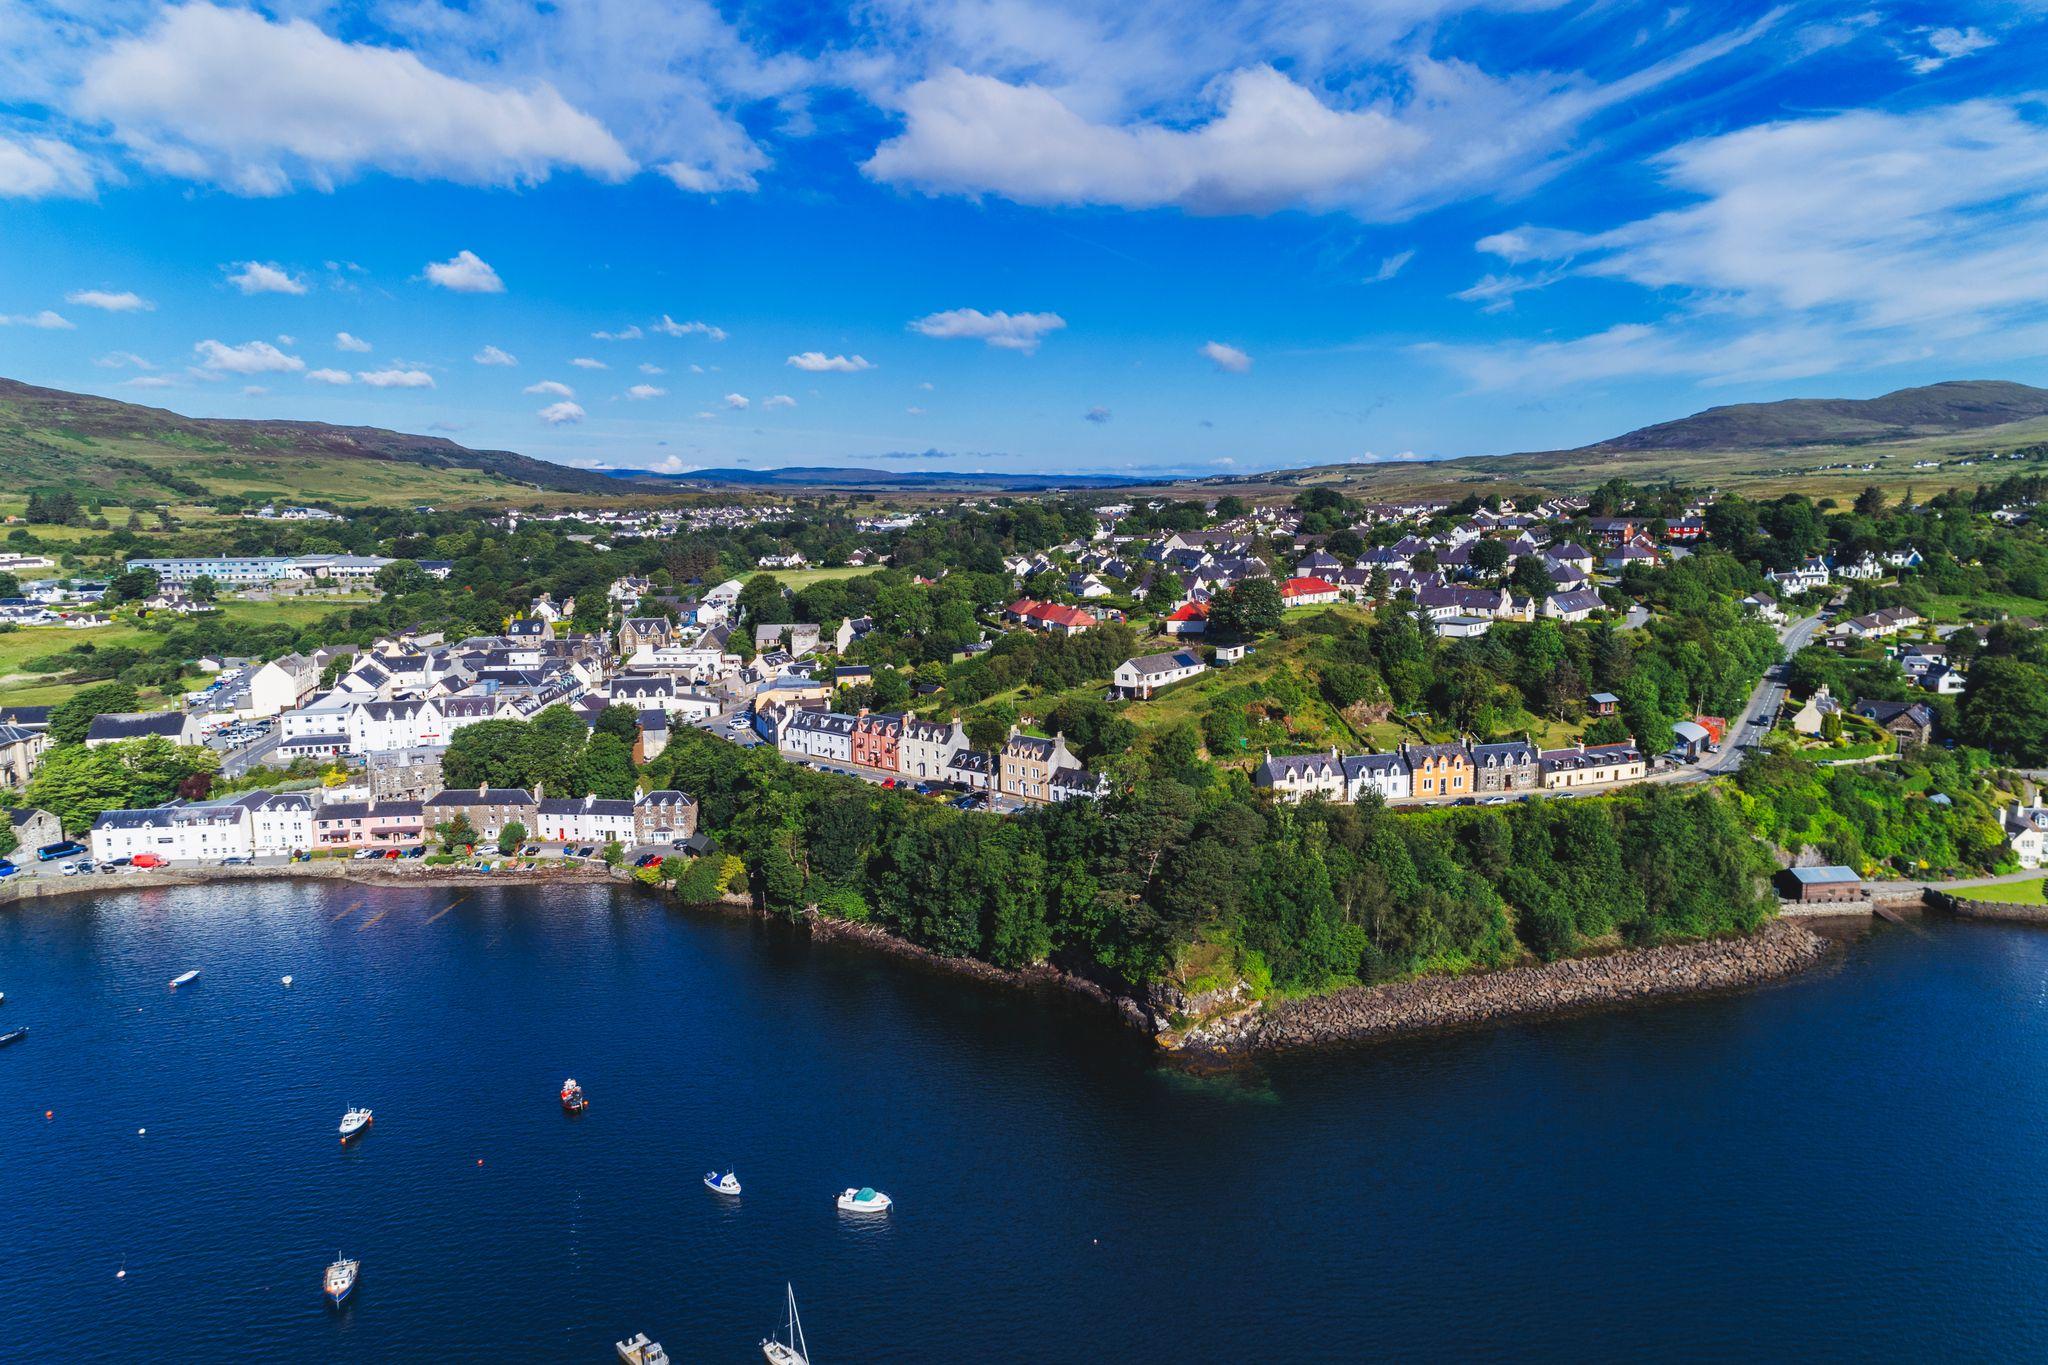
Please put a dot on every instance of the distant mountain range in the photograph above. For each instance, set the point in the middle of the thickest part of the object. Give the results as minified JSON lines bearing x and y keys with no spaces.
{"x":1931,"y":410}
{"x":841,"y":477}
{"x":50,"y":438}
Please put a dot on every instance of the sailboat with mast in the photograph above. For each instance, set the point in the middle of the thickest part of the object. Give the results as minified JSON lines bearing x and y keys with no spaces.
{"x":788,"y":1349}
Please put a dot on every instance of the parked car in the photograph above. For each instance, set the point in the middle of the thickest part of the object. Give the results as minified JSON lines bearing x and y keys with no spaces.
{"x":67,"y":869}
{"x":8,"y":869}
{"x":66,"y":848}
{"x":585,"y":851}
{"x":648,"y":860}
{"x":118,"y":862}
{"x":148,"y":860}
{"x":416,"y":851}
{"x":529,"y":851}
{"x":237,"y":861}
{"x":364,"y":853}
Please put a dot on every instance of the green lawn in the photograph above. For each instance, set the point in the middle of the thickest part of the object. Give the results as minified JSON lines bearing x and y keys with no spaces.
{"x":2017,"y":893}
{"x":796,"y":580}
{"x":1983,"y":605}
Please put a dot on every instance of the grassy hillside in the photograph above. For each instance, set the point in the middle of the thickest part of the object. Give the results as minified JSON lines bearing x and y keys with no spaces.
{"x":50,"y":438}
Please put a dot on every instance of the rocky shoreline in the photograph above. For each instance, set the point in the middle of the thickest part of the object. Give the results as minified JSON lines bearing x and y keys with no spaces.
{"x":1780,"y":949}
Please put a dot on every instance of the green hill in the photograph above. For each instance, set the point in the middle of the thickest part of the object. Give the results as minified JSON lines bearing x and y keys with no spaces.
{"x":53,"y":439}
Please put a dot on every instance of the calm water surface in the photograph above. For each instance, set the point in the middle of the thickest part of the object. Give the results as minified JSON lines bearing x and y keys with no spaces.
{"x":1845,"y":1167}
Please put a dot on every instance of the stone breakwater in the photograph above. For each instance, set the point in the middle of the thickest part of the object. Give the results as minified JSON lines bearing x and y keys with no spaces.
{"x":1780,"y":949}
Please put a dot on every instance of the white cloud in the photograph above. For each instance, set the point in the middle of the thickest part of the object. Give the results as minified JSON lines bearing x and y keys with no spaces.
{"x":329,"y":376}
{"x":465,"y":273}
{"x":266,"y":277}
{"x":1812,"y":245}
{"x":229,"y":97}
{"x":1402,"y":131}
{"x":550,"y":386}
{"x":44,"y":168}
{"x":47,"y":320}
{"x":915,"y":411}
{"x":491,"y":355}
{"x":253,"y":390}
{"x":642,"y":392}
{"x":559,"y":414}
{"x":1946,"y":45}
{"x":1097,"y":415}
{"x":126,"y":301}
{"x":254,"y":357}
{"x":584,"y":362}
{"x":780,"y":400}
{"x":396,"y":379}
{"x":1495,"y":292}
{"x":149,"y":381}
{"x":817,"y":362}
{"x":647,"y":367}
{"x":284,"y":339}
{"x":669,"y":327}
{"x":1009,"y":331}
{"x":118,"y":360}
{"x":1226,"y":357}
{"x":1390,"y":267}
{"x":625,"y":334}
{"x":736,"y":401}
{"x":345,"y":342}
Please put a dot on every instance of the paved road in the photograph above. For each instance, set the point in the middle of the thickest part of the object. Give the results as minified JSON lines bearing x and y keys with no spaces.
{"x":1746,"y":730}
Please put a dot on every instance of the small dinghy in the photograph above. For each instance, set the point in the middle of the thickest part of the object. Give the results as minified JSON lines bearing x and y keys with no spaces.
{"x":184,"y":978}
{"x":866,"y":1199}
{"x":721,"y":1184}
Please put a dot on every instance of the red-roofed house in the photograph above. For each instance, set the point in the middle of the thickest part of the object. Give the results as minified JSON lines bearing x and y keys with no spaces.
{"x":1189,"y":618}
{"x":1049,"y":616}
{"x":1307,"y":592}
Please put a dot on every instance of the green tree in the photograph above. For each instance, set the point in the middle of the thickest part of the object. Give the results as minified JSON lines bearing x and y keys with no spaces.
{"x":511,"y":837}
{"x":204,"y":588}
{"x":1248,"y":608}
{"x":604,"y":769}
{"x":70,"y":719}
{"x":456,"y":834}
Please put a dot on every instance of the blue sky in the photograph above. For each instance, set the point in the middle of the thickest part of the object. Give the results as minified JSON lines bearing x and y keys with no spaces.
{"x":1017,"y":234}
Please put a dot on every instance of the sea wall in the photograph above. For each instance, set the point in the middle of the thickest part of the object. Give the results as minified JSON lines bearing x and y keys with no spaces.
{"x":22,"y":888}
{"x":2006,"y":912}
{"x":1778,"y":950}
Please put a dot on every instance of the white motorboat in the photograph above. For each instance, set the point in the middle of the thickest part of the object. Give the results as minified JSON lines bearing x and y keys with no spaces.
{"x":641,"y":1349}
{"x":184,"y":978}
{"x":728,"y":1183}
{"x":789,"y":1348}
{"x":287,"y":981}
{"x":866,"y":1199}
{"x":341,"y":1279}
{"x":353,"y":1122}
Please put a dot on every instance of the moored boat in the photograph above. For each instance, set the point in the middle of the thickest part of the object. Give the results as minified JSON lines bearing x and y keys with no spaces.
{"x":184,"y":978}
{"x":789,"y":1348}
{"x":13,"y":1035}
{"x":341,"y":1279}
{"x":573,"y":1100}
{"x":640,"y":1349}
{"x":866,"y":1199}
{"x":354,"y":1121}
{"x":728,"y":1183}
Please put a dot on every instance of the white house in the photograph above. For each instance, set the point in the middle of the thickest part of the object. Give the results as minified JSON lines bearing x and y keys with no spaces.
{"x":2026,"y":829}
{"x":584,"y":819}
{"x":376,"y":726}
{"x":280,"y":823}
{"x":926,"y":747}
{"x":1386,"y":774}
{"x":281,"y":685}
{"x":826,"y":735}
{"x":178,"y":833}
{"x":1147,"y":673}
{"x":1296,"y":777}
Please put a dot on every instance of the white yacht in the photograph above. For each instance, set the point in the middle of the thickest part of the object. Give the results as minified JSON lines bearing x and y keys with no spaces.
{"x":341,"y":1279}
{"x":729,"y":1183}
{"x":640,"y":1349}
{"x":788,"y":1349}
{"x":866,"y":1199}
{"x":353,"y":1122}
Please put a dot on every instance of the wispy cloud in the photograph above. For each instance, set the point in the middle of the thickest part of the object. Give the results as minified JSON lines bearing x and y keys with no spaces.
{"x":253,"y":357}
{"x":1006,"y":331}
{"x":1226,"y":357}
{"x":669,"y":327}
{"x":343,"y":341}
{"x":110,"y":301}
{"x":491,"y":355}
{"x":265,"y":277}
{"x":47,"y":320}
{"x":817,"y":362}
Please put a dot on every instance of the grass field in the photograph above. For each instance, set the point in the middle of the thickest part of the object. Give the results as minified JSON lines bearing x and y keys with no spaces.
{"x":2015,"y":893}
{"x":796,"y":580}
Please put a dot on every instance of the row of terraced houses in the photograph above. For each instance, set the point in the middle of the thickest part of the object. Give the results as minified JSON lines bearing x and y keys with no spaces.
{"x":1438,"y":772}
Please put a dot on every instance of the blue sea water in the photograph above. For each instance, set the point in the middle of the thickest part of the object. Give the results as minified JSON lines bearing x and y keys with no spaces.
{"x":1844,"y":1167}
